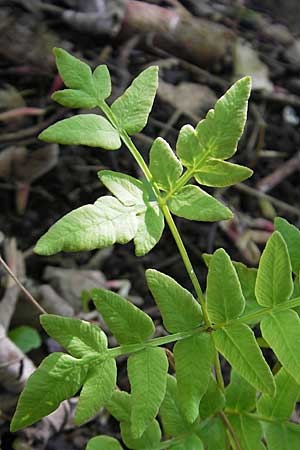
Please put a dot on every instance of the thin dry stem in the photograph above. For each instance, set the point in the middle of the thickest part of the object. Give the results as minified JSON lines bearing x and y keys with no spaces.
{"x":22,"y":287}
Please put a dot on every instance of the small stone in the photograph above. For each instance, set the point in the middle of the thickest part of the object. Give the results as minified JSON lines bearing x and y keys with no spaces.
{"x":293,"y":85}
{"x":279,"y":33}
{"x":292,"y":54}
{"x":289,"y":116}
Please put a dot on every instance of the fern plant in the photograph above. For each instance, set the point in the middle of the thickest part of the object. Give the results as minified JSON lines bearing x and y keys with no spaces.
{"x":195,"y":410}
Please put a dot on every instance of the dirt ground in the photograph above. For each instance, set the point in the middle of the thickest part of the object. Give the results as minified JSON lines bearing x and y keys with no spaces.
{"x":40,"y":183}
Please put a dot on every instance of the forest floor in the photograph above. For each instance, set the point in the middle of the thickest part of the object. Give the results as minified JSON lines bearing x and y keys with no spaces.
{"x":40,"y":183}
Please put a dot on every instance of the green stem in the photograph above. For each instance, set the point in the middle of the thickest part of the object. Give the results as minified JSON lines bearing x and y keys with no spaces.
{"x":109,"y":114}
{"x":128,"y":142}
{"x":186,"y":262}
{"x":156,"y":342}
{"x":195,"y":428}
{"x":287,"y":305}
{"x":262,"y":418}
{"x":166,"y":444}
{"x":139,"y":159}
{"x":179,"y":183}
{"x":169,"y":219}
{"x":218,"y":370}
{"x":188,"y":174}
{"x":255,"y":416}
{"x":162,"y":203}
{"x":259,"y":314}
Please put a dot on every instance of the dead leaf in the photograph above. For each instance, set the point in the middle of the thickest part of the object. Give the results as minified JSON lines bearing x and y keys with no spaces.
{"x":187,"y":97}
{"x":37,"y":163}
{"x":11,"y":98}
{"x":18,"y":113}
{"x":53,"y":303}
{"x":25,"y":40}
{"x":10,"y":159}
{"x":247,"y":62}
{"x":246,"y":233}
{"x":8,"y":302}
{"x":292,"y":54}
{"x":70,"y":283}
{"x":23,"y":167}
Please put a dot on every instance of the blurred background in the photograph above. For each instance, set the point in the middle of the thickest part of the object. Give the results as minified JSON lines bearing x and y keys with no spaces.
{"x":201,"y":48}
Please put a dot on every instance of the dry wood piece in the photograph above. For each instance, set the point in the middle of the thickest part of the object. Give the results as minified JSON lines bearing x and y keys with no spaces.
{"x":52,"y":302}
{"x":48,"y":299}
{"x":267,"y":183}
{"x":261,"y":195}
{"x":19,"y":164}
{"x":104,"y":17}
{"x":69,"y":283}
{"x":8,"y":304}
{"x":187,"y":97}
{"x":246,"y":234}
{"x":194,"y":39}
{"x":9,"y":300}
{"x":13,"y":114}
{"x":23,"y":167}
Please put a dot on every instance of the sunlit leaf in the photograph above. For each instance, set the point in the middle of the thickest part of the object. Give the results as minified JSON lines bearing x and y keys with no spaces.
{"x":282,"y":436}
{"x":133,"y":107}
{"x":58,"y":377}
{"x":212,"y":401}
{"x":179,"y":310}
{"x":238,"y":345}
{"x":282,"y":332}
{"x":148,"y":440}
{"x":147,"y":373}
{"x":149,"y":229}
{"x":75,"y":73}
{"x":274,"y":284}
{"x":132,"y":192}
{"x":100,"y":225}
{"x":218,"y":134}
{"x":240,"y":395}
{"x":119,"y":406}
{"x":248,"y":432}
{"x":218,"y":173}
{"x":282,"y":405}
{"x":128,"y":323}
{"x":74,"y":98}
{"x":192,"y":203}
{"x":102,"y":82}
{"x":103,"y":443}
{"x":78,"y":337}
{"x":291,"y":235}
{"x":97,"y":389}
{"x":225,"y":300}
{"x":164,"y":166}
{"x":174,"y":423}
{"x":222,"y":128}
{"x":84,"y":129}
{"x":193,"y":360}
{"x":127,"y":189}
